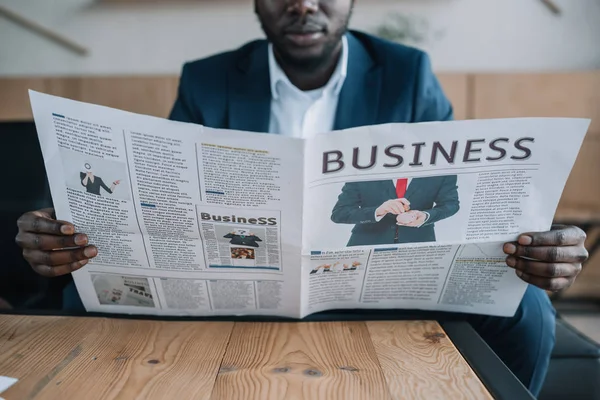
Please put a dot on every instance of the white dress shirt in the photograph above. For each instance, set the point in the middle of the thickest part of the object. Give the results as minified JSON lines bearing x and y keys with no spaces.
{"x":303,"y":114}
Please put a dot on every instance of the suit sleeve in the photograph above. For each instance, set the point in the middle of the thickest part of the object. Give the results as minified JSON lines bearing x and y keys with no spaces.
{"x":182,"y":110}
{"x":349,"y":209}
{"x":81,"y":178}
{"x":446,"y":201}
{"x":103,"y":185}
{"x":430,"y":103}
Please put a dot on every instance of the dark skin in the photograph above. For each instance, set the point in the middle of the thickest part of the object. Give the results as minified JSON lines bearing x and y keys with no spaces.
{"x":42,"y":239}
{"x":306,"y":36}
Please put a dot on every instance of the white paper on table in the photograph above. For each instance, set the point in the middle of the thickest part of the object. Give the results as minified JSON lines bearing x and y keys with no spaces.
{"x":5,"y":383}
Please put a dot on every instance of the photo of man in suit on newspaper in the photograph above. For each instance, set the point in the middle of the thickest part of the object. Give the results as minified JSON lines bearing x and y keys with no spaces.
{"x":395,"y":211}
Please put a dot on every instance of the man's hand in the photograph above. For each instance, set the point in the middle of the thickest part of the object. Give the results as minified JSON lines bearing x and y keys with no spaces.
{"x":43,"y":239}
{"x":550,"y":260}
{"x":394,"y":206}
{"x":412,"y":218}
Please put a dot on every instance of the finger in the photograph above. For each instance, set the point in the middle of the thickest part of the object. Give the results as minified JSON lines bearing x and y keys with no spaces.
{"x":401,"y":209}
{"x":42,"y":222}
{"x":55,"y":258}
{"x":552,"y":284}
{"x":541,"y":269}
{"x":559,"y":236}
{"x":551,"y":254}
{"x":395,"y":208}
{"x":59,"y":270}
{"x":404,"y":201}
{"x":29,"y":240}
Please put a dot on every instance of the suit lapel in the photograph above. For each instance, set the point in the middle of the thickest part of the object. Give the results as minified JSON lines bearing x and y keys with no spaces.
{"x":390,"y":189}
{"x":411,"y":189}
{"x":249,"y":91}
{"x":359,"y":98}
{"x":414,"y":189}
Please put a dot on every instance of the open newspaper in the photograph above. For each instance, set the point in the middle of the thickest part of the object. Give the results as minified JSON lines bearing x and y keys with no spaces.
{"x":191,"y":220}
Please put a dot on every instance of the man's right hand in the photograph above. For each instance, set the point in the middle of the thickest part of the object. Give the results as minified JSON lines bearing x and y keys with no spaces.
{"x":43,"y":239}
{"x":394,"y":206}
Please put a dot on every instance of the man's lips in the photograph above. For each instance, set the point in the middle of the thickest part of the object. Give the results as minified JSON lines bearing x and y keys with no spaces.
{"x":305,"y":39}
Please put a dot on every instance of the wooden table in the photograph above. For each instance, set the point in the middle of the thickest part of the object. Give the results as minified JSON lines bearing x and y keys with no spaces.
{"x":115,"y":358}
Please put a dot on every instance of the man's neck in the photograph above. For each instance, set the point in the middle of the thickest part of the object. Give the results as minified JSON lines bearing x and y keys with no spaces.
{"x":313,"y":77}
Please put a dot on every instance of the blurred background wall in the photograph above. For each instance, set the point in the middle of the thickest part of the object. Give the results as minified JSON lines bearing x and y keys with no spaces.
{"x":156,"y":37}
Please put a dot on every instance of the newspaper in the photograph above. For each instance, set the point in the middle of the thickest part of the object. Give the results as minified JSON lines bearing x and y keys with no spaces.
{"x":195,"y":221}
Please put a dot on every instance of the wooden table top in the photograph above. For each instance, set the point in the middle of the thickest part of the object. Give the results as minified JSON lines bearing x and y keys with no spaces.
{"x":103,"y":358}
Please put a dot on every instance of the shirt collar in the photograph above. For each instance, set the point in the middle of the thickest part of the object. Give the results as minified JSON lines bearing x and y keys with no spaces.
{"x":335,"y":83}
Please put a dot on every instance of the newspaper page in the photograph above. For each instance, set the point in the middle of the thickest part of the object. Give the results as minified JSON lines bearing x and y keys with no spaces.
{"x":187,"y":220}
{"x":190,"y":220}
{"x":415,"y":216}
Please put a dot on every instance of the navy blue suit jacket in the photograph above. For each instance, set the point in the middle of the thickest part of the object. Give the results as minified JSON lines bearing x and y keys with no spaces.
{"x":437,"y":195}
{"x":386,"y":82}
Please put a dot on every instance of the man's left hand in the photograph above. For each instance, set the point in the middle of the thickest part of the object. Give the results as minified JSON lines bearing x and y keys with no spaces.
{"x":411,"y":218}
{"x":549,"y":260}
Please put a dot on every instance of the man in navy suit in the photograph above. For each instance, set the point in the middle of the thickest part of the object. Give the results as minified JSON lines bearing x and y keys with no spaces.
{"x":312,"y":75}
{"x":396,"y":211}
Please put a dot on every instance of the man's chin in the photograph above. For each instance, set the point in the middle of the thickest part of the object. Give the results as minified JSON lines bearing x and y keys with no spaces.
{"x":304,"y":56}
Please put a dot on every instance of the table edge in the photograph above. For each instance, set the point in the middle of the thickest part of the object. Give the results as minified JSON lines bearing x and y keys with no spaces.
{"x":489,"y":368}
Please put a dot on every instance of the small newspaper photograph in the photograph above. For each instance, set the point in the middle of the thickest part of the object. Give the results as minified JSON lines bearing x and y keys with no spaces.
{"x":238,"y":238}
{"x":122,"y":290}
{"x":196,"y":221}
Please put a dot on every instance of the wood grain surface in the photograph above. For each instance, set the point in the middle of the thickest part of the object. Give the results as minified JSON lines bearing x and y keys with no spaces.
{"x":85,"y":358}
{"x":411,"y":352}
{"x":321,"y":360}
{"x":100,"y":358}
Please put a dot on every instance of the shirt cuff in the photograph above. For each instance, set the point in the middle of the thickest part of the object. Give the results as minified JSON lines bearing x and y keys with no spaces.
{"x":377,"y":219}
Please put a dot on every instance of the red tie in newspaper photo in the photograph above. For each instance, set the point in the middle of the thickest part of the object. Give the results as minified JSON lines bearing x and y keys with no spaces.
{"x":401,"y":187}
